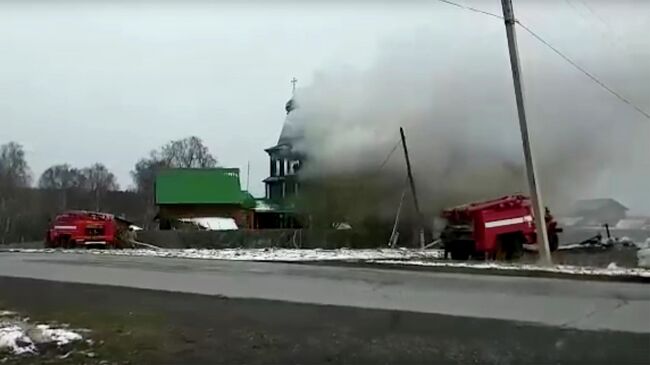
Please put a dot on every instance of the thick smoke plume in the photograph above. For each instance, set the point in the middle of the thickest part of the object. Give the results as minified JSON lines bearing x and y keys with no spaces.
{"x":457,"y":108}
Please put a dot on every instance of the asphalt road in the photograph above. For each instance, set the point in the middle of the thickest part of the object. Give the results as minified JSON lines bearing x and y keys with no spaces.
{"x":139,"y":326}
{"x":559,"y":303}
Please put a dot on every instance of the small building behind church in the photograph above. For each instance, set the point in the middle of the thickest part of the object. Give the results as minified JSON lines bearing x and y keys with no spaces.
{"x":596,"y":212}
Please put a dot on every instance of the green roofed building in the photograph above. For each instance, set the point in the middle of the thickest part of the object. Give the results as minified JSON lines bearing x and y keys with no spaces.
{"x":198,"y":193}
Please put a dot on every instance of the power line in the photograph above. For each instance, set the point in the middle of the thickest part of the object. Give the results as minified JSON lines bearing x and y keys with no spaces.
{"x":585,"y":72}
{"x":362,"y":185}
{"x":381,"y":166}
{"x":471,"y":9}
{"x":573,"y":6}
{"x":595,"y":14}
{"x":559,"y":53}
{"x":609,"y":34}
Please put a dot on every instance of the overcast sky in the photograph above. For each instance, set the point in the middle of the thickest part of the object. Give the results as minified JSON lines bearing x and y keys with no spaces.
{"x":108,"y":81}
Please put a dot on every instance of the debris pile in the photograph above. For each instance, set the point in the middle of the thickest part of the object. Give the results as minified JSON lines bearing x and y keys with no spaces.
{"x":598,"y":241}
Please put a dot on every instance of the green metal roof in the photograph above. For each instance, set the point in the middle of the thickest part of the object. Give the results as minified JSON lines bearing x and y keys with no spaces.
{"x":200,"y":186}
{"x":248,"y":201}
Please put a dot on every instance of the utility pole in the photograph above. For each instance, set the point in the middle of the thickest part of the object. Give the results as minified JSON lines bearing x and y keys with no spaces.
{"x":412,"y":183}
{"x":535,"y":193}
{"x":394,"y":235}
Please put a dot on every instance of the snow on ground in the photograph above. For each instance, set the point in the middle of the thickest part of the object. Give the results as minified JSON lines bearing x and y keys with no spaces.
{"x":14,"y":340}
{"x":59,"y":336}
{"x":383,"y":256}
{"x":265,"y":254}
{"x":19,"y":336}
{"x":643,"y":255}
{"x":213,"y":223}
{"x":562,"y":269}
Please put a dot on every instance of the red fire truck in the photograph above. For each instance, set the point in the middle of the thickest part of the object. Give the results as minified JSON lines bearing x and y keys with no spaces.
{"x":496,"y":228}
{"x":82,"y":228}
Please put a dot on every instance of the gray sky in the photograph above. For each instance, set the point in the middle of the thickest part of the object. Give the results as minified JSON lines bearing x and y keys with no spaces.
{"x":82,"y":82}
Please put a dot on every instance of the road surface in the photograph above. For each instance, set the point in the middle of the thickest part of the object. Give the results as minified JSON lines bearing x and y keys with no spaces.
{"x":573,"y":304}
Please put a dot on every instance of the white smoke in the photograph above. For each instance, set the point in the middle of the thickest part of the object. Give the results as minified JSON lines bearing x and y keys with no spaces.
{"x":457,"y":107}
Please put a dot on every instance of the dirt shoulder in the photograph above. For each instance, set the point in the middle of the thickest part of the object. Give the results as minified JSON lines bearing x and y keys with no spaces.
{"x":133,"y":326}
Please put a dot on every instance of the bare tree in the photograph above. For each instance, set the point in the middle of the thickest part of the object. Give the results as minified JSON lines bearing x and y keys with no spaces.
{"x":14,"y":175}
{"x":14,"y":171}
{"x":95,"y":179}
{"x":189,"y":152}
{"x":144,"y":176}
{"x":62,"y":177}
{"x":144,"y":172}
{"x":24,"y":211}
{"x":183,"y":153}
{"x":98,"y":178}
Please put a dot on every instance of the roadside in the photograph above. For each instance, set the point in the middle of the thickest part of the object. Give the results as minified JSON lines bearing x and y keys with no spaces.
{"x":623,"y":254}
{"x":591,"y":263}
{"x":133,"y":326}
{"x":23,"y":245}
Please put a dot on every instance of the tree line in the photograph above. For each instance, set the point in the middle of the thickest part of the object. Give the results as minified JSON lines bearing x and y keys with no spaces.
{"x":25,"y":207}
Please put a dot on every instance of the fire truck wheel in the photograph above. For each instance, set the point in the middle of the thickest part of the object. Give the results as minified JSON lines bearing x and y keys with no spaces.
{"x":460,"y":251}
{"x":510,"y":246}
{"x":459,"y":255}
{"x":67,"y":242}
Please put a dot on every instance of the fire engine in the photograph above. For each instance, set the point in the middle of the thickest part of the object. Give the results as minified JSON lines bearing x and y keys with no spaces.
{"x":82,"y":228}
{"x":498,"y":228}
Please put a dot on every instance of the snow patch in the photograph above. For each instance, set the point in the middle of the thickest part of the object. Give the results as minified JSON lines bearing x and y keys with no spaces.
{"x":59,"y":336}
{"x":213,"y":223}
{"x":643,"y":257}
{"x":14,"y":339}
{"x":19,"y":337}
{"x":400,"y":256}
{"x":264,"y":254}
{"x":573,"y":246}
{"x":562,"y":269}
